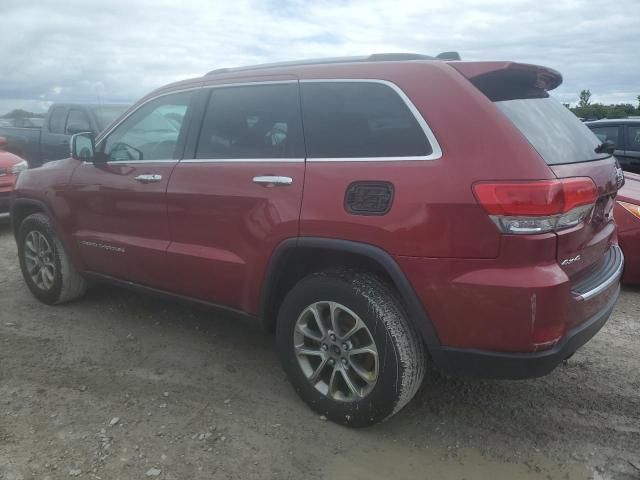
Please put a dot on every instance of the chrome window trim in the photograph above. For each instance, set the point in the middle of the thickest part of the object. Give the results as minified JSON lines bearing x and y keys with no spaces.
{"x":242,"y":160}
{"x":436,"y":151}
{"x":435,"y":146}
{"x":138,"y":162}
{"x":130,"y":162}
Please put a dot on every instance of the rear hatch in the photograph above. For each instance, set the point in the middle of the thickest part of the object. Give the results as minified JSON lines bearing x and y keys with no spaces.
{"x":567,"y":146}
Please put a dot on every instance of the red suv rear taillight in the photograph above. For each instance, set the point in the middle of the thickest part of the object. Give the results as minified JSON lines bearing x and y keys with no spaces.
{"x":537,"y":206}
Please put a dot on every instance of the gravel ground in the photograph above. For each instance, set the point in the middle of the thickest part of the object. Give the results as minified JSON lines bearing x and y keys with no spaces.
{"x":123,"y":386}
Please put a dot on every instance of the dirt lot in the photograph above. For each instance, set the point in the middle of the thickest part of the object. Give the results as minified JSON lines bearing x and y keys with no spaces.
{"x":123,"y":386}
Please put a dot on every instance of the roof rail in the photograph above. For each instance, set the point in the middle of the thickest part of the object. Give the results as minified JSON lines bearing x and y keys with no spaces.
{"x":376,"y":57}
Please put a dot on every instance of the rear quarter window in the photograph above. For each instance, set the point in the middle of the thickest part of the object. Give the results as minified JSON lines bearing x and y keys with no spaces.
{"x":359,"y":119}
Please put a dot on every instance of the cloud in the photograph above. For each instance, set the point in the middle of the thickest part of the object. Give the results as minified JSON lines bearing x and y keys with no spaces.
{"x":117,"y":51}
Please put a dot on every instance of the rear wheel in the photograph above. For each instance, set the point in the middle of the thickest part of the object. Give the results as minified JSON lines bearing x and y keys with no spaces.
{"x":45,"y":266}
{"x":348,"y":348}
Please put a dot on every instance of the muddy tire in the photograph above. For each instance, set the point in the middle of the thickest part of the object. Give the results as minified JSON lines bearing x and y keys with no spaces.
{"x":348,"y":348}
{"x":45,"y":265}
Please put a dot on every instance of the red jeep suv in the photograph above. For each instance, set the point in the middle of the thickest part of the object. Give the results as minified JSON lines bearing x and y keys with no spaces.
{"x":379,"y":213}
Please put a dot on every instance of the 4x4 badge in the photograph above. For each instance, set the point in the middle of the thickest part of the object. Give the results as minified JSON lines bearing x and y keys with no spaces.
{"x":569,"y":261}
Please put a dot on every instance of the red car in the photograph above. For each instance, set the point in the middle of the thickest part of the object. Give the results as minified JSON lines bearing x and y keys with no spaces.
{"x":377,"y":212}
{"x":627,"y":214}
{"x":10,"y":166}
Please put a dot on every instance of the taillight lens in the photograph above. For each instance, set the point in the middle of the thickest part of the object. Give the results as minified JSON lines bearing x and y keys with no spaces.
{"x":19,"y":167}
{"x":537,"y":206}
{"x":631,"y":208}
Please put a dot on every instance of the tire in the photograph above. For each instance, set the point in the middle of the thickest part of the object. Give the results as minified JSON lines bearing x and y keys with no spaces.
{"x":401,"y":361}
{"x":62,"y":283}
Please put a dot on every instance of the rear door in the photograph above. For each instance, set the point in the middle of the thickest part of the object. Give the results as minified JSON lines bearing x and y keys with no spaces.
{"x":54,"y":141}
{"x":237,"y":193}
{"x":119,"y":202}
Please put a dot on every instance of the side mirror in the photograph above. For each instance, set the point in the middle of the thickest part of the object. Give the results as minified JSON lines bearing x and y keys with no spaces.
{"x":3,"y":142}
{"x":83,"y":147}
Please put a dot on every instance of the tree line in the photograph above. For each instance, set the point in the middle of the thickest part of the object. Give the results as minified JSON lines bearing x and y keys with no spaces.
{"x":20,"y":114}
{"x":595,"y":111}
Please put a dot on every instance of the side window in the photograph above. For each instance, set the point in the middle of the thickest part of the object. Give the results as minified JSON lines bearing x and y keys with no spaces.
{"x":151,"y":132}
{"x":261,"y":121}
{"x":77,"y":121}
{"x":359,"y":119}
{"x":608,"y":134}
{"x":57,"y":120}
{"x":633,"y":138}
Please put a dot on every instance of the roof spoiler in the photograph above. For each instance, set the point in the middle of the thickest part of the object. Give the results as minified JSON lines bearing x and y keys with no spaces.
{"x":482,"y":74}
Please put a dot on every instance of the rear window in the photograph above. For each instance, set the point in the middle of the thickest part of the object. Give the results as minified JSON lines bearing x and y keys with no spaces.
{"x":556,"y":133}
{"x":359,"y":119}
{"x":105,"y":115}
{"x":607,"y":134}
{"x":78,"y":121}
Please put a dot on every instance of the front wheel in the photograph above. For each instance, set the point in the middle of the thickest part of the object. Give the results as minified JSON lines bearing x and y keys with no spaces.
{"x":45,"y":265}
{"x":348,"y":348}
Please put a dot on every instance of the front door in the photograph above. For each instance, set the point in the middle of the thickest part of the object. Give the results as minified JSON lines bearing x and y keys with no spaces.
{"x":119,"y":204}
{"x":54,"y":141}
{"x":237,"y":193}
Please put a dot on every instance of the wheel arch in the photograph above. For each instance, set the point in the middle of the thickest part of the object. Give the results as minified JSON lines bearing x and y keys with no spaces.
{"x":21,"y":208}
{"x":295,"y":258}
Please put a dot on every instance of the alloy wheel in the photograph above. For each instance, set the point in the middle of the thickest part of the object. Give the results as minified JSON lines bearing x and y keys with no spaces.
{"x":39,"y":260}
{"x":336,"y":351}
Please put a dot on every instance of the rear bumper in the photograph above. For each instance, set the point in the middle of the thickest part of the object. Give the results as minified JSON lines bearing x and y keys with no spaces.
{"x":512,"y":322}
{"x":486,"y":364}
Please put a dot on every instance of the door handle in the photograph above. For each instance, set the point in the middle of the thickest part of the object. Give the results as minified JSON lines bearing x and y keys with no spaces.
{"x":272,"y":180}
{"x":148,"y":178}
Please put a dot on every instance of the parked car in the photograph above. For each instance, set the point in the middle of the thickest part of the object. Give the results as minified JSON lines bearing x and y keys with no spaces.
{"x":627,"y":215}
{"x":453,"y":213}
{"x":10,"y":167}
{"x":624,"y":133}
{"x":41,"y":140}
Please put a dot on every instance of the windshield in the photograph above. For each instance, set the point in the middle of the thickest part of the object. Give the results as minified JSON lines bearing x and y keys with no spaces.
{"x":107,"y":114}
{"x":553,"y":130}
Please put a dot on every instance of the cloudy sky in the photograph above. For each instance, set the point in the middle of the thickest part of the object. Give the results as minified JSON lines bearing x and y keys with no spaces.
{"x":117,"y":50}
